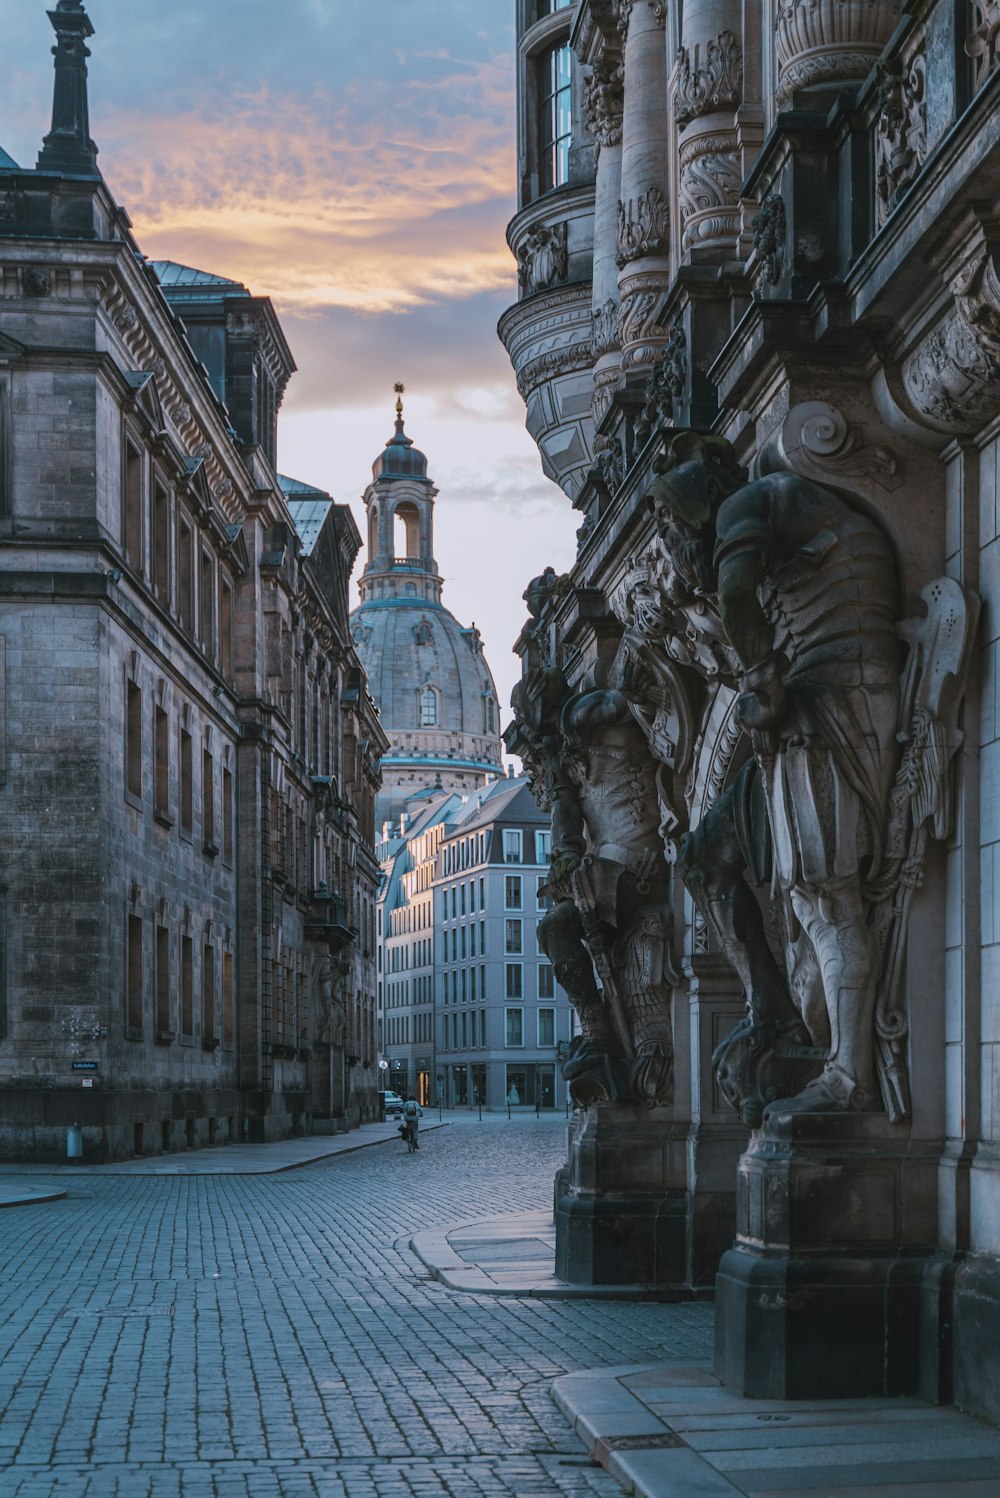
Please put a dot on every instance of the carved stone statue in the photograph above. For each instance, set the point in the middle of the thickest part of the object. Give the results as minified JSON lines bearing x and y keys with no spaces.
{"x":807,"y":593}
{"x":794,"y":592}
{"x":331,"y":1015}
{"x":609,"y":881}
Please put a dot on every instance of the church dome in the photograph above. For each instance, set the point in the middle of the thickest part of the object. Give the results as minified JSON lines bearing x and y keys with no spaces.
{"x":428,"y":675}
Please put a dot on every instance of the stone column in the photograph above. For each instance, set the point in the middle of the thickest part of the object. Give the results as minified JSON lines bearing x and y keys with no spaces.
{"x":707,"y":92}
{"x":604,"y":101}
{"x":643,"y":253}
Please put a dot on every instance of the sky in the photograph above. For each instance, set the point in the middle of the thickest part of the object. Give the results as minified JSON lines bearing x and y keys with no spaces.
{"x":355,"y":161}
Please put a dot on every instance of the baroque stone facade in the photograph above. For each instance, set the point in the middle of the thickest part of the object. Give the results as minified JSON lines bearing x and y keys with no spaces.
{"x":761,"y":705}
{"x":189,"y":751}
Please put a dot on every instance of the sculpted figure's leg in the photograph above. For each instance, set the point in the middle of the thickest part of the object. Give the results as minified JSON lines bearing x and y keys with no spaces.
{"x":560,"y":937}
{"x":712,"y":866}
{"x":642,"y":962}
{"x":834,"y":919}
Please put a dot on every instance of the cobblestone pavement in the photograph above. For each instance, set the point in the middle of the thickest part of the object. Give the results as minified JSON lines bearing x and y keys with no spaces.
{"x":243,"y":1337}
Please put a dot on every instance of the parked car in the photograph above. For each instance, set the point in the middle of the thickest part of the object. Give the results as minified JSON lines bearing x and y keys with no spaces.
{"x":393,"y":1104}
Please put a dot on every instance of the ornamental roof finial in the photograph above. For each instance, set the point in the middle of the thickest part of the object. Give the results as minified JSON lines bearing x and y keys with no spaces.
{"x":68,"y":147}
{"x":400,"y":391}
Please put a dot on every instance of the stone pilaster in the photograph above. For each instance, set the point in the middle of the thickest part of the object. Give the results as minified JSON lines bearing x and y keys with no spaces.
{"x":643,"y":243}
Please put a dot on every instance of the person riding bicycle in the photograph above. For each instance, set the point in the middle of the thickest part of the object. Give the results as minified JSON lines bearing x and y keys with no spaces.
{"x":412,"y":1113}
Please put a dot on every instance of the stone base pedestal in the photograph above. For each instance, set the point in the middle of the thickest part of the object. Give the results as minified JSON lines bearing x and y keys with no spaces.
{"x":622,"y":1208}
{"x":820,"y":1297}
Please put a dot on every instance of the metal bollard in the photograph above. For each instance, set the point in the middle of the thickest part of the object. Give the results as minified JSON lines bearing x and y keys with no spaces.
{"x":74,"y":1144}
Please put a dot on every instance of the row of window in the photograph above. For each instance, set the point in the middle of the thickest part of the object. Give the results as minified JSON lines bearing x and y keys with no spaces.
{"x":467,"y":1029}
{"x":190,"y":808}
{"x":186,"y":997}
{"x":162,"y":545}
{"x":400,"y":1031}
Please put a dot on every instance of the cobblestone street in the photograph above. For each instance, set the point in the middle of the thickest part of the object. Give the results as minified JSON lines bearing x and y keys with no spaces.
{"x":263,"y":1335}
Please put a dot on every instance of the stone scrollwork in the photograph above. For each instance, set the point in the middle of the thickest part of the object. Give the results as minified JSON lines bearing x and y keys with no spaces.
{"x":552,"y":364}
{"x":953,"y":376}
{"x":770,"y":233}
{"x":716,"y":83}
{"x":543,"y":258}
{"x":983,"y":43}
{"x":901,"y":133}
{"x":641,"y":335}
{"x":829,"y":41}
{"x":643,"y":226}
{"x":817,"y":442}
{"x":709,"y":189}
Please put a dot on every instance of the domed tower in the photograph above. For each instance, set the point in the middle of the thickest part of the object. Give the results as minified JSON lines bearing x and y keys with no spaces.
{"x":428,"y":675}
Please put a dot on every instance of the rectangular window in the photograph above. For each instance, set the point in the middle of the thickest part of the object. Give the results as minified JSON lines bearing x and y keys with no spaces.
{"x":546,"y":981}
{"x":512,"y":845}
{"x":228,"y":998}
{"x":454,"y":904}
{"x":512,"y":938}
{"x":555,"y":116}
{"x":208,"y":995}
{"x":464,"y":986}
{"x":512,"y":898}
{"x":208,"y":801}
{"x":461,"y":900}
{"x":163,"y":1030}
{"x":546,"y":1027}
{"x":482,"y":894}
{"x":482,"y":1028}
{"x":161,"y":543}
{"x":133,"y":741}
{"x":133,"y":506}
{"x":472,"y":897}
{"x":133,"y":997}
{"x":472,"y":940}
{"x":227,"y":816}
{"x":226,"y":630}
{"x":185,"y":575}
{"x":186,"y":786}
{"x":513,"y":1027}
{"x":463,"y":943}
{"x":472,"y":984}
{"x":543,"y":846}
{"x":187,"y":986}
{"x":465,"y":1031}
{"x":207,"y":603}
{"x":542,"y":900}
{"x":514,"y":980}
{"x":161,"y":745}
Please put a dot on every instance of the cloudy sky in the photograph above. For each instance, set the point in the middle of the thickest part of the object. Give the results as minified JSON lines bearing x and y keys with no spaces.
{"x":354,"y":160}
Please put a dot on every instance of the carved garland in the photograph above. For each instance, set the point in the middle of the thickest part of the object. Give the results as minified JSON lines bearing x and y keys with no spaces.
{"x":550,"y":366}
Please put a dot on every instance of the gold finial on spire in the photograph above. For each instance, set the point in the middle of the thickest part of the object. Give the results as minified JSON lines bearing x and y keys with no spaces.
{"x":399,"y":389}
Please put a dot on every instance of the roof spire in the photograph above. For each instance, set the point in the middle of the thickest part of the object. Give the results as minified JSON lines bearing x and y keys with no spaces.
{"x":68,"y":147}
{"x":400,"y":391}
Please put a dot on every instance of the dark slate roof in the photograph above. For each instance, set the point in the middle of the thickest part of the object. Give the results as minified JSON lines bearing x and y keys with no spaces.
{"x":169,"y":273}
{"x":7,"y":163}
{"x":308,"y":516}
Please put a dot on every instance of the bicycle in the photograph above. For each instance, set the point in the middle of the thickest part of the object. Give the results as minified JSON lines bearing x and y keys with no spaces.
{"x":411,"y":1138}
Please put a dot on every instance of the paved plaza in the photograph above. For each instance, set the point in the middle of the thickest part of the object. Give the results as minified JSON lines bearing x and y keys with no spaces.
{"x":275,"y":1334}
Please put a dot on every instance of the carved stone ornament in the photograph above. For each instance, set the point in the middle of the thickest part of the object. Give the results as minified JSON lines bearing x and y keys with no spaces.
{"x":181,"y":415}
{"x":604,"y":102}
{"x":770,"y":232}
{"x":605,"y":384}
{"x":223,"y":489}
{"x":543,"y":258}
{"x":641,"y":335}
{"x":900,"y":133}
{"x":666,"y":382}
{"x":953,"y":376}
{"x":36,"y":281}
{"x":609,"y":462}
{"x":657,"y":8}
{"x":605,"y":337}
{"x":709,"y":189}
{"x":829,"y":41}
{"x":716,"y":83}
{"x":127,"y":319}
{"x":643,"y":226}
{"x":817,"y":442}
{"x":550,"y":365}
{"x":983,"y":42}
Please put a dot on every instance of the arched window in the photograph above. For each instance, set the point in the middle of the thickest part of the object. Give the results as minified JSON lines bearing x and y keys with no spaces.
{"x":428,"y":708}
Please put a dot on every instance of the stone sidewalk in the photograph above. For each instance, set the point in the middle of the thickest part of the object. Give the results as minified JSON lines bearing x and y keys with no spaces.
{"x":234,"y":1159}
{"x":673,"y":1431}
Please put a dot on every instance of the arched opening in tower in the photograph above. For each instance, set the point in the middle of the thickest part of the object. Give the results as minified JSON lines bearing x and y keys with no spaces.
{"x":406,"y":531}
